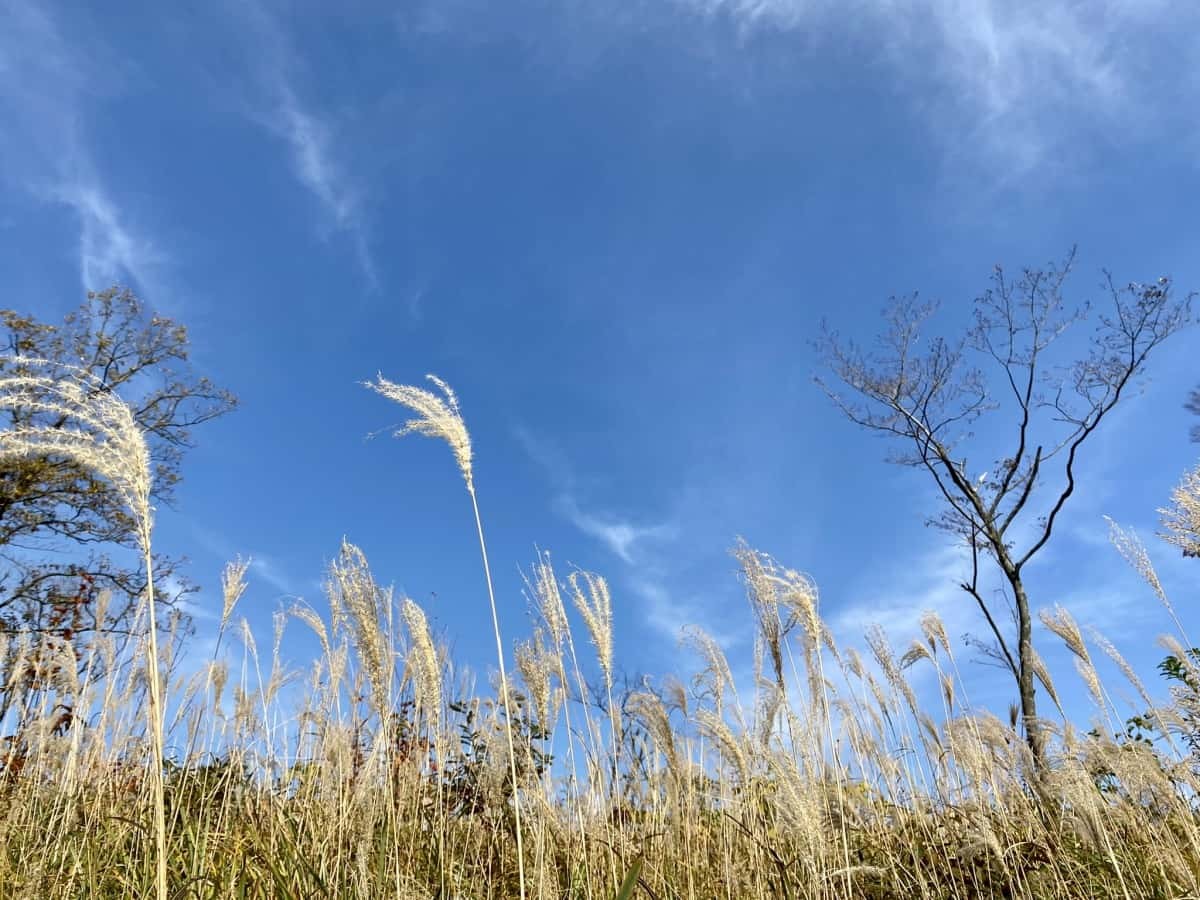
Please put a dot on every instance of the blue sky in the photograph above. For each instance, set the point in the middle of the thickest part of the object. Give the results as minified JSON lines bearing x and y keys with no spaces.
{"x":614,"y":228}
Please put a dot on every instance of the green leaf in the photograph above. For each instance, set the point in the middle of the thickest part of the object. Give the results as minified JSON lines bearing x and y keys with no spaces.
{"x":631,"y":880}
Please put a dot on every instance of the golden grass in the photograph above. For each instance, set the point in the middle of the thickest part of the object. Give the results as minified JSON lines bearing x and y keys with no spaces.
{"x":381,"y":771}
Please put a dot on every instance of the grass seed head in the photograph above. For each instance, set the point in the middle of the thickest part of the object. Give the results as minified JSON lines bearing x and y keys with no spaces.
{"x":1182,"y":519}
{"x":594,"y":602}
{"x":437,"y":415}
{"x":424,"y":661}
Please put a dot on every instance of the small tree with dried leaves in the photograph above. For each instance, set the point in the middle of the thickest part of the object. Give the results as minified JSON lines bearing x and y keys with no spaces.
{"x":64,"y":530}
{"x":929,"y":392}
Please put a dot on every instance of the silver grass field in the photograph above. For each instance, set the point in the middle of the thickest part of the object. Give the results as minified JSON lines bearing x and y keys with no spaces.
{"x":384,"y":770}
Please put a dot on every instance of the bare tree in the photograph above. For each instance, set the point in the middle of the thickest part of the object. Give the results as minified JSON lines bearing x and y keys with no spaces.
{"x":929,"y":392}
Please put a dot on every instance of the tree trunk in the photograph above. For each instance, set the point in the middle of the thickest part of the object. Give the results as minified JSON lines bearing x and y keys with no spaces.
{"x":1025,"y":688}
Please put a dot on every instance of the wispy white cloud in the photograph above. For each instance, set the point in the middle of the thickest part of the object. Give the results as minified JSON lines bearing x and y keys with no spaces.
{"x":262,"y":565}
{"x":309,"y":138}
{"x":110,"y":251}
{"x":1102,"y":597}
{"x":273,"y":574}
{"x":650,"y":553}
{"x":897,"y":598}
{"x":619,"y":535}
{"x":1005,"y":79}
{"x":314,"y":160}
{"x":316,"y":151}
{"x":1004,"y":90}
{"x":670,"y":611}
{"x":546,"y":456}
{"x":47,"y":87}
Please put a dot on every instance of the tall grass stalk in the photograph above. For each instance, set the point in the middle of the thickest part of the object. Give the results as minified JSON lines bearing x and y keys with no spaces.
{"x":438,"y":415}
